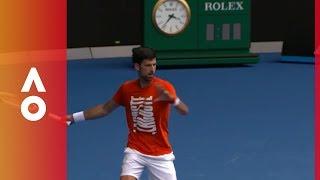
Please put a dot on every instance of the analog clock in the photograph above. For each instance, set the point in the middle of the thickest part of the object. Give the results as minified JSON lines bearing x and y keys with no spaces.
{"x":171,"y":17}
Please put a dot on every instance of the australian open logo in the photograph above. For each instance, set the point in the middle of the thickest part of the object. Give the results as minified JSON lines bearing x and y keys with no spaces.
{"x":33,"y":77}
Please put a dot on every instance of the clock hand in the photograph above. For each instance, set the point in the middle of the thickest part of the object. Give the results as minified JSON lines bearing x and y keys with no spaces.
{"x":170,"y":17}
{"x":174,"y":17}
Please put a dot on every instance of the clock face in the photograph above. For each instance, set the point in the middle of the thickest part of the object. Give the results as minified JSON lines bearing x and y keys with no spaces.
{"x":171,"y":16}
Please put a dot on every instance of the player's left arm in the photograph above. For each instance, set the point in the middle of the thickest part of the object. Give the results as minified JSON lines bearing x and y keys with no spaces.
{"x":168,"y":93}
{"x":181,"y":106}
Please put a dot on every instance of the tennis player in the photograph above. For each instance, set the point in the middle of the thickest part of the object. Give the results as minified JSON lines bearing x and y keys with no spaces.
{"x":147,"y":101}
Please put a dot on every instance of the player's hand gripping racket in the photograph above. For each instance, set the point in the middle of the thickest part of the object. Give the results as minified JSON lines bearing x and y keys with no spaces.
{"x":13,"y":100}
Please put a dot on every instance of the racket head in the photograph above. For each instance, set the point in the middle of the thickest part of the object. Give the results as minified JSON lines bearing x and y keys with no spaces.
{"x":14,"y":100}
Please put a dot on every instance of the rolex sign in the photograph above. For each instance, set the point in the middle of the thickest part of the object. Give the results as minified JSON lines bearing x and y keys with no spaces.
{"x":223,"y":6}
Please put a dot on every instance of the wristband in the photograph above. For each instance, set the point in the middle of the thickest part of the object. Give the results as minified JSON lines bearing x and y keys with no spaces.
{"x":78,"y":117}
{"x":176,"y":102}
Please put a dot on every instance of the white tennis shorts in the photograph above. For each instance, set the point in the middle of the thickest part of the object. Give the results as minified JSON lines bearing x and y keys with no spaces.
{"x":159,"y":167}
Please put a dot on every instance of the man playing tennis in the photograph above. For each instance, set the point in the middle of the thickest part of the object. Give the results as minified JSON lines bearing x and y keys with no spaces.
{"x":147,"y":103}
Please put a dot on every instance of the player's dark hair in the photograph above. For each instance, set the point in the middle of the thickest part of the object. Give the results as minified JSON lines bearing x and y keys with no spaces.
{"x":141,"y":53}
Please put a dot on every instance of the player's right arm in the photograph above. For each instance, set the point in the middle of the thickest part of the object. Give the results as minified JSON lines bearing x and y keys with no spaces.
{"x":100,"y":110}
{"x":95,"y":112}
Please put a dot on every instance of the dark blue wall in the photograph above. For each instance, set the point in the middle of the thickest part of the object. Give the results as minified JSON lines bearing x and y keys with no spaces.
{"x":104,"y":22}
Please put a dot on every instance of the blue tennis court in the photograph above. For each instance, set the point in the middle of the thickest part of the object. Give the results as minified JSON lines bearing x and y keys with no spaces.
{"x":250,"y":122}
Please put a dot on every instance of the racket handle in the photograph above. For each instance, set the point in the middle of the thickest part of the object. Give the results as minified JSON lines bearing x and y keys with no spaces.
{"x":59,"y":119}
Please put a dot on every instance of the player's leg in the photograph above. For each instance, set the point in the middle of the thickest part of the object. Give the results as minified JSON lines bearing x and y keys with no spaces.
{"x":132,"y":167}
{"x":161,"y":170}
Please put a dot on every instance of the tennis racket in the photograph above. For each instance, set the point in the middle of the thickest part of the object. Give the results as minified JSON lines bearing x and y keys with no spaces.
{"x":14,"y":101}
